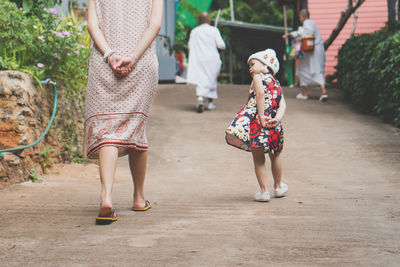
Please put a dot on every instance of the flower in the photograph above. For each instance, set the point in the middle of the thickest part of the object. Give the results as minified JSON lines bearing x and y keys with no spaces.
{"x":70,"y":23}
{"x":40,"y":65}
{"x":53,"y":11}
{"x":66,"y":33}
{"x":68,"y":54}
{"x":58,"y":34}
{"x":76,"y":52}
{"x":57,"y":55}
{"x":83,"y":46}
{"x":21,"y":8}
{"x":41,"y":37}
{"x":34,"y":26}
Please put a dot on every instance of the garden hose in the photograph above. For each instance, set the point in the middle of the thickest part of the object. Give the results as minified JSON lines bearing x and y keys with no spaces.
{"x":48,"y":81}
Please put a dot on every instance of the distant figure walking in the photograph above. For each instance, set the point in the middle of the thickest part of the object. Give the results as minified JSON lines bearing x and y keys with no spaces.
{"x":122,"y":81}
{"x":204,"y":62}
{"x":310,"y":68}
{"x":257,"y":127}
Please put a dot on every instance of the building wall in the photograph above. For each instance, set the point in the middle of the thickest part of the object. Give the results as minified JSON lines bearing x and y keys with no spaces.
{"x":372,"y":16}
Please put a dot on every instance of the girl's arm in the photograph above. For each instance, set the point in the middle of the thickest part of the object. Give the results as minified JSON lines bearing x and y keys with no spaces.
{"x":281,"y":110}
{"x":260,"y":98}
{"x":273,"y":122}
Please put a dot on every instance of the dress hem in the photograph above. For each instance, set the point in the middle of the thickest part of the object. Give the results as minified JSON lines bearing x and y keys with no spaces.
{"x":93,"y":152}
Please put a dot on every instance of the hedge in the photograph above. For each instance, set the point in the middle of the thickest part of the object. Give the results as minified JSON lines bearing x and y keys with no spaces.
{"x":369,"y":73}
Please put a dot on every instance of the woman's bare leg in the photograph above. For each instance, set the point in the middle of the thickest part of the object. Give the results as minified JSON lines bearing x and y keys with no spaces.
{"x":138,"y":165}
{"x":259,"y":166}
{"x":108,"y":163}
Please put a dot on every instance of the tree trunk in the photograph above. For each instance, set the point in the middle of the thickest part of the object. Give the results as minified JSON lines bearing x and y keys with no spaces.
{"x":344,"y":17}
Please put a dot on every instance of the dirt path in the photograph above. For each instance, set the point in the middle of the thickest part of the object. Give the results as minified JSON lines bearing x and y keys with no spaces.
{"x":342,"y":168}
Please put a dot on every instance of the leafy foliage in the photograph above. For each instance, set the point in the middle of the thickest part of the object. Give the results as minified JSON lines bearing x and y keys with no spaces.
{"x":35,"y":7}
{"x":48,"y":46}
{"x":34,"y":177}
{"x":368,"y":67}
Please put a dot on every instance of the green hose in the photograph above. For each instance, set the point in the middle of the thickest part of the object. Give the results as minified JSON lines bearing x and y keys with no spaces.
{"x":48,"y":126}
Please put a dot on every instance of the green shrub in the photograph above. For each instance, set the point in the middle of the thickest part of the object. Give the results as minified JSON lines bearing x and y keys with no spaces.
{"x":35,"y":7}
{"x":15,"y":36}
{"x":49,"y":46}
{"x":368,"y":67}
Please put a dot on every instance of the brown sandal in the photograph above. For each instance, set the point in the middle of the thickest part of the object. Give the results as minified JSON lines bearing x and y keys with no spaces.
{"x":106,"y":216}
{"x":146,"y":207}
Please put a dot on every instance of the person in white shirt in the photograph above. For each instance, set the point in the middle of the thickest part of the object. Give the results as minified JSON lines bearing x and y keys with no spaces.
{"x":204,"y":61}
{"x":310,"y":68}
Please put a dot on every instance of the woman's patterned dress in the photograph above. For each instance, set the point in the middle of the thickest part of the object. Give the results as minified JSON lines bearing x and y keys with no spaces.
{"x":116,"y":109}
{"x":246,"y":131}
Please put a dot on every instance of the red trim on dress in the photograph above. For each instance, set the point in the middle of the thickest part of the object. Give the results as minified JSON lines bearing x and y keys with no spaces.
{"x":111,"y":114}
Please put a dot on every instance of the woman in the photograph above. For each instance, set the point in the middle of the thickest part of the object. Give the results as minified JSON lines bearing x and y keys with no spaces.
{"x":123,"y":76}
{"x":311,"y":68}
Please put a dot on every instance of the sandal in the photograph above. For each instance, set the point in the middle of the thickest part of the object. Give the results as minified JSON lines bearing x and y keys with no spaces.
{"x":106,"y":216}
{"x":146,"y":207}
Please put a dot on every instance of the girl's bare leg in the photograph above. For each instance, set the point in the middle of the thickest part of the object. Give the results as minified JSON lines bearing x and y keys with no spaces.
{"x":108,"y":163}
{"x":259,"y":166}
{"x":276,"y":168}
{"x":138,"y":165}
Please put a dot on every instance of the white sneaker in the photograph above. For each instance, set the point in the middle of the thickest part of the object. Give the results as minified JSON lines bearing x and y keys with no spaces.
{"x":200,"y":104}
{"x":211,"y":106}
{"x":280,"y":192}
{"x":301,"y":96}
{"x":323,"y":98}
{"x":262,"y":197}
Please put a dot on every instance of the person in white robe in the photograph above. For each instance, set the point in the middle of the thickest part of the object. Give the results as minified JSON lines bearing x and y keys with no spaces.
{"x":204,"y":61}
{"x":310,"y":68}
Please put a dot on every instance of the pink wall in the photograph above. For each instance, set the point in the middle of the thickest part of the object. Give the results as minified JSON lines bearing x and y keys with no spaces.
{"x":372,"y":16}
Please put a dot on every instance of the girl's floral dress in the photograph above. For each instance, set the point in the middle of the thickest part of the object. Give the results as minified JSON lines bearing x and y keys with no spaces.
{"x":246,"y":131}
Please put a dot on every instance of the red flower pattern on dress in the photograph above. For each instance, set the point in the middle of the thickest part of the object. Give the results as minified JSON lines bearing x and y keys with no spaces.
{"x":271,"y":140}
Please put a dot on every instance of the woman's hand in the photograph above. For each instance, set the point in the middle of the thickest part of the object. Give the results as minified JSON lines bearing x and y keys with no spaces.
{"x":122,"y":66}
{"x":115,"y":61}
{"x":286,"y":35}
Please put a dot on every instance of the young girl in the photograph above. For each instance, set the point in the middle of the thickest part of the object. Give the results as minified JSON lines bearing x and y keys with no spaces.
{"x":257,"y":127}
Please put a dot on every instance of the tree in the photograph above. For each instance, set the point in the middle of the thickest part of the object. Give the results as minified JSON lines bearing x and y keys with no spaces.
{"x":344,"y":17}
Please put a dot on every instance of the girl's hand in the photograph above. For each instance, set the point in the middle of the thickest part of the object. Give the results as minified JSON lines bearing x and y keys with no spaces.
{"x":272,"y":123}
{"x":263,"y":120}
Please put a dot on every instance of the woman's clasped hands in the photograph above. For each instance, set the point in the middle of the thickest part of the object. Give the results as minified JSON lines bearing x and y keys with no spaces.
{"x":122,"y":65}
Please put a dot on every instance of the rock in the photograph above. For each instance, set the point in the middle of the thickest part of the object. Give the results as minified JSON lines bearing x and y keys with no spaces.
{"x":12,"y":159}
{"x":23,"y":141}
{"x":18,"y":90}
{"x":24,"y":114}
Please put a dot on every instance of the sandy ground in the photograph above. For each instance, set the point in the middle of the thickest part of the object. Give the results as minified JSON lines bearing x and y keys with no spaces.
{"x":343,"y":207}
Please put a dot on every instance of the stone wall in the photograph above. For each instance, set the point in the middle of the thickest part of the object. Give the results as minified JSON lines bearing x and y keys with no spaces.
{"x":24,"y":114}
